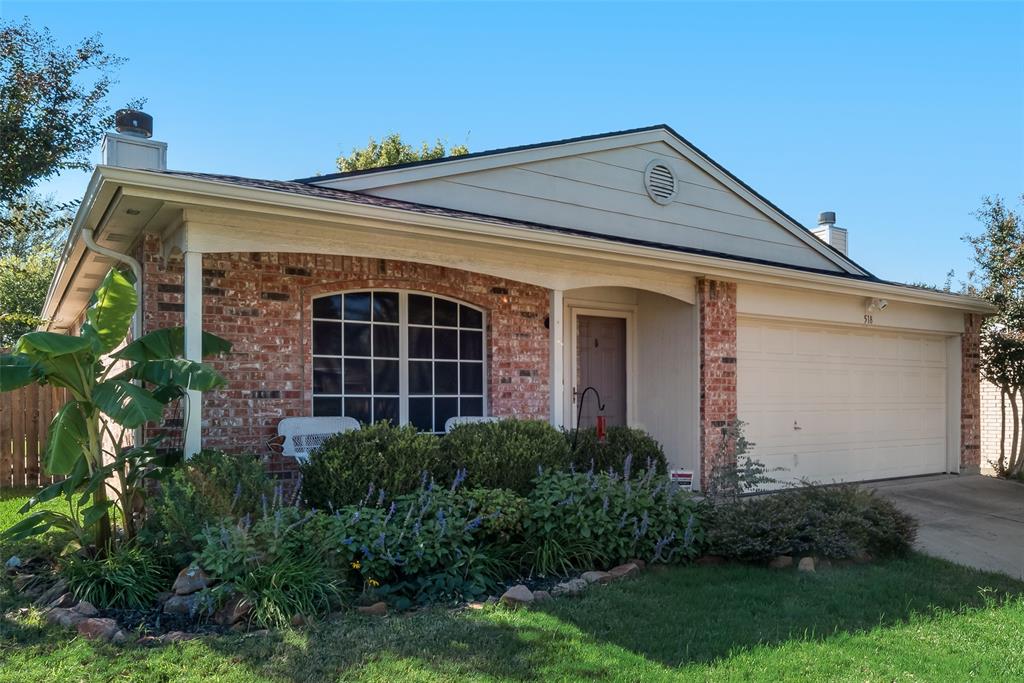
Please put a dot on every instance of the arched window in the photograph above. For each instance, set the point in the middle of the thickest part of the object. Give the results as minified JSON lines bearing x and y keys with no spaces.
{"x":406,"y":357}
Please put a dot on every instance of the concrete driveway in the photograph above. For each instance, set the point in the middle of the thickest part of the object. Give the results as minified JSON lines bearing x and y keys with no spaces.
{"x":974,"y":520}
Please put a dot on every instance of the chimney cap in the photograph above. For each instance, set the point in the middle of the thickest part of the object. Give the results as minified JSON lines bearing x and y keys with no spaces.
{"x":133,"y":122}
{"x":827,"y":218}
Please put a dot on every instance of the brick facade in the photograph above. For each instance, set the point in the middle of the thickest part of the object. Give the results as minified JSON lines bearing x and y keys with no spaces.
{"x":261,"y":302}
{"x":970,"y":394}
{"x":716,"y":303}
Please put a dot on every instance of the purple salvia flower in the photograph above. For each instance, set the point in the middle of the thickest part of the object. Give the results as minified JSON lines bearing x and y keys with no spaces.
{"x":622,"y":522}
{"x":423,"y":479}
{"x":237,"y":494}
{"x":540,"y":471}
{"x":391,"y":513}
{"x":473,"y":524}
{"x":688,"y":534}
{"x":441,"y":520}
{"x":591,"y":470}
{"x":627,"y":466}
{"x":572,"y":468}
{"x":460,"y":476}
{"x":348,"y":541}
{"x":380,"y":498}
{"x":380,"y":540}
{"x":645,"y":522}
{"x":263,"y":503}
{"x":416,"y":528}
{"x":604,"y":503}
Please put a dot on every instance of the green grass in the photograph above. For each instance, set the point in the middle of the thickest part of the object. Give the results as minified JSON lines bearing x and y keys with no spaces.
{"x":914,"y":619}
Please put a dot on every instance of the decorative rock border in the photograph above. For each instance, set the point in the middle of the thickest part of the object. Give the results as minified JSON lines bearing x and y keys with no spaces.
{"x":520,"y":595}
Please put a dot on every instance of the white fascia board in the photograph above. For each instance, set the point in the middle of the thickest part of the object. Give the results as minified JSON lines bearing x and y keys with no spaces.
{"x":202,"y":192}
{"x":458,"y":166}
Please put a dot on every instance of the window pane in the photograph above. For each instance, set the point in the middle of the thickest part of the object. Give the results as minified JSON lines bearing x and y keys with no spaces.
{"x":473,"y":407}
{"x":385,"y":341}
{"x":327,"y":307}
{"x":420,"y":310}
{"x":326,"y":407}
{"x":385,"y":376}
{"x":385,"y":307}
{"x":421,"y":413}
{"x":358,"y":408}
{"x":385,"y":409}
{"x":446,"y":312}
{"x":471,"y":380}
{"x":446,"y":378}
{"x":470,"y":317}
{"x":327,"y":375}
{"x":327,"y":338}
{"x":443,"y":409}
{"x":421,"y":379}
{"x":357,"y":376}
{"x":357,"y":306}
{"x":471,"y":346}
{"x":446,"y":344}
{"x":357,"y":340}
{"x":421,"y":342}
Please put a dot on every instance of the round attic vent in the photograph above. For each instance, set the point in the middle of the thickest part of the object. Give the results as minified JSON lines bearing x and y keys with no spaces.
{"x":660,"y":181}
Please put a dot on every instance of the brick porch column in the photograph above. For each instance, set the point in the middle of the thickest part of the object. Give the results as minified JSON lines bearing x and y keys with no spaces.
{"x":716,"y":303}
{"x":970,"y":394}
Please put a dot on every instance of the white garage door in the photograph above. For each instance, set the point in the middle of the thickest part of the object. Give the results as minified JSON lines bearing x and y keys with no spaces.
{"x":842,"y":404}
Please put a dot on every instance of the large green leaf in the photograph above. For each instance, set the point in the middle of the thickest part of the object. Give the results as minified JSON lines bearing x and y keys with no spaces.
{"x":112,"y":309}
{"x":126,"y":404}
{"x":169,"y":342}
{"x":37,"y":523}
{"x":177,"y":372}
{"x":67,"y":440}
{"x":16,"y":371}
{"x":38,"y":345}
{"x":70,"y":370}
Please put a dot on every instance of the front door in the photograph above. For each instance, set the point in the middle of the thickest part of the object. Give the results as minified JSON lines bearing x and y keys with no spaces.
{"x":601,"y":363}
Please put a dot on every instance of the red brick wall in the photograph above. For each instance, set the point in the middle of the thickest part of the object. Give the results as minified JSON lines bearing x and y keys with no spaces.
{"x":716,"y":303}
{"x":970,"y":394}
{"x":261,"y":302}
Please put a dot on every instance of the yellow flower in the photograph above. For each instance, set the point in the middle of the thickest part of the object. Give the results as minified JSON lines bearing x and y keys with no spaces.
{"x":373,"y":583}
{"x":356,"y":565}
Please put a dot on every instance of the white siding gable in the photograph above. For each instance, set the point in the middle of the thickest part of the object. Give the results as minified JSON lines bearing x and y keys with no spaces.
{"x":600,"y":189}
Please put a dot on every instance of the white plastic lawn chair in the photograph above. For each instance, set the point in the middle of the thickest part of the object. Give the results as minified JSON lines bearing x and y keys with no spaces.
{"x":303,"y":435}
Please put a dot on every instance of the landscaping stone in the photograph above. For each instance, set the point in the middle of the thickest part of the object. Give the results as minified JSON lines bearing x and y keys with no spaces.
{"x":517,"y":595}
{"x":570,"y":587}
{"x":299,"y":620}
{"x":781,"y":562}
{"x":638,"y":562}
{"x":180,"y":604}
{"x":63,"y":617}
{"x":491,"y":600}
{"x":806,"y":564}
{"x":52,"y":593}
{"x":624,"y":570}
{"x":190,"y":580}
{"x":234,"y":610}
{"x":596,"y":577}
{"x":64,"y":600}
{"x":377,"y":609}
{"x":710,"y":561}
{"x":86,"y":609}
{"x":13,"y":562}
{"x":175,"y":637}
{"x":163,"y":596}
{"x":120,"y":637}
{"x":97,"y":628}
{"x":476,"y":604}
{"x":23,"y":582}
{"x":541,"y":596}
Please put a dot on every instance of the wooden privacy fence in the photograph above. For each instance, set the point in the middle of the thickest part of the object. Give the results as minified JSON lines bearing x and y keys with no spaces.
{"x":25,"y":416}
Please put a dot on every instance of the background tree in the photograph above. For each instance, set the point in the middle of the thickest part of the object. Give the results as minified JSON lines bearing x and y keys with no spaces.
{"x":999,"y":256}
{"x":392,"y":150}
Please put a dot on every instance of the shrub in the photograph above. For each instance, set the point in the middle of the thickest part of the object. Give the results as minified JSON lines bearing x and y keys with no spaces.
{"x":505,"y":454}
{"x":128,"y":576}
{"x":501,"y":511}
{"x":277,"y":563}
{"x":352,"y":466}
{"x":576,"y":520}
{"x":838,"y":521}
{"x":212,"y":486}
{"x":620,"y":443}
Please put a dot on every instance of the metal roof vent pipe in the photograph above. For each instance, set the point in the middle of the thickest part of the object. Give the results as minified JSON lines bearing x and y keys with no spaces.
{"x":831,"y":234}
{"x":131,"y":146}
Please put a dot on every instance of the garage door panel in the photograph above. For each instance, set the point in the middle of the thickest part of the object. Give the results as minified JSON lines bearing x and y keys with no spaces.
{"x":838,"y":404}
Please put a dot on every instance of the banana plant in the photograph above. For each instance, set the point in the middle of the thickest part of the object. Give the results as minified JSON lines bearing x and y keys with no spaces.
{"x":114,"y":388}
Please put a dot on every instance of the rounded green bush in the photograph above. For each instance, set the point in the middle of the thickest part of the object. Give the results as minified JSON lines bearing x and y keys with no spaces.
{"x":352,"y":465}
{"x":619,"y":444}
{"x":506,"y":454}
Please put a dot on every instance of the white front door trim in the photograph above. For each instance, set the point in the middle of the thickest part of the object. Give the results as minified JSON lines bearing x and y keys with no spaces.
{"x":625,"y":311}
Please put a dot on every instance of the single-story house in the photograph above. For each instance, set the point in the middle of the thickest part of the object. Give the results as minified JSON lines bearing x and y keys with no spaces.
{"x":507,"y":282}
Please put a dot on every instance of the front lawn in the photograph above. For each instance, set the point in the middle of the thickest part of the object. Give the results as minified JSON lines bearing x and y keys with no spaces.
{"x":913,"y":619}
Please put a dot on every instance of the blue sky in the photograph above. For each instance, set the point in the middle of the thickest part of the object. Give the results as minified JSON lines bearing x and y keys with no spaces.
{"x":900,"y":117}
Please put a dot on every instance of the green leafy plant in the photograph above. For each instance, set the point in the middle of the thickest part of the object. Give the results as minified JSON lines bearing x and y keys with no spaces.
{"x":501,"y":512}
{"x":620,"y":443}
{"x":836,"y":521}
{"x":113,"y":391}
{"x":621,"y":516}
{"x":506,"y":454}
{"x":358,"y":464}
{"x":128,"y":576}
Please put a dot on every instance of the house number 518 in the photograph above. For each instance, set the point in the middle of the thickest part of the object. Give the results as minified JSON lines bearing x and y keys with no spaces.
{"x":868,"y":320}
